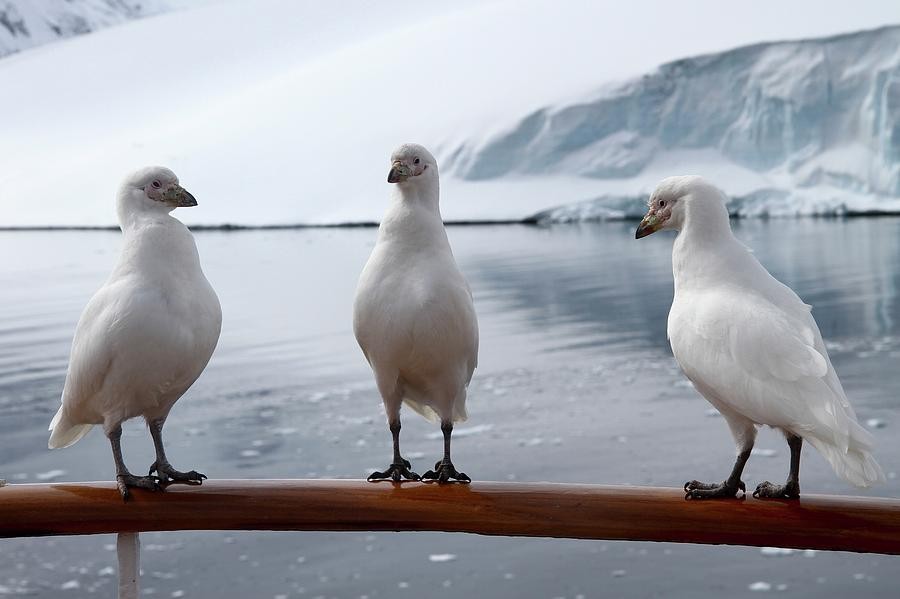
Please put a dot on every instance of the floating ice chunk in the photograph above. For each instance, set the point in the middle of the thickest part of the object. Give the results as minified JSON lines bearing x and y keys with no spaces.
{"x":439,"y":558}
{"x":618,"y":573}
{"x":70,"y":585}
{"x":876,"y":423}
{"x":403,"y":585}
{"x":107,"y":571}
{"x":776,"y":551}
{"x":781,"y":587}
{"x":466,"y":431}
{"x":178,"y":593}
{"x":249,"y":453}
{"x":50,"y":474}
{"x":760,"y":586}
{"x":415,"y":455}
{"x":764,"y":453}
{"x":317,"y":397}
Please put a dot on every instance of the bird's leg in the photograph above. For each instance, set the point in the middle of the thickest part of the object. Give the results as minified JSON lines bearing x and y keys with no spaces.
{"x":399,"y":468}
{"x":162,"y":467}
{"x":728,"y":488}
{"x":444,"y":470}
{"x":124,"y":478}
{"x":791,"y":488}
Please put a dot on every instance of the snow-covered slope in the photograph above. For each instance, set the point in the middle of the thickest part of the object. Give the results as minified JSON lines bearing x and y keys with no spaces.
{"x":28,"y":23}
{"x":794,"y":127}
{"x":280,"y":112}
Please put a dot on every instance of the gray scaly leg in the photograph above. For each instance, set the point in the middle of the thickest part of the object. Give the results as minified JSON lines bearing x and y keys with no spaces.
{"x":125,"y":479}
{"x":399,"y":468}
{"x":728,"y":488}
{"x":791,"y":488}
{"x":444,"y":471}
{"x":168,"y":474}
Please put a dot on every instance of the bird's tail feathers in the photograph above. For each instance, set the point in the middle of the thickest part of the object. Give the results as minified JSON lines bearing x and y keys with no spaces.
{"x":430,"y":414}
{"x":856,"y":464}
{"x":64,"y":433}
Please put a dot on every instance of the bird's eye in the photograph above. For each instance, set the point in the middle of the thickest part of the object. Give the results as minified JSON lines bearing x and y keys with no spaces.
{"x":416,"y":161}
{"x":156,"y":184}
{"x":662,"y":203}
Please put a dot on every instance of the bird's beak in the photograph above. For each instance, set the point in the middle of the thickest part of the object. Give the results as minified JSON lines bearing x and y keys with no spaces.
{"x":399,"y":172}
{"x":179,"y":197}
{"x":649,"y":224}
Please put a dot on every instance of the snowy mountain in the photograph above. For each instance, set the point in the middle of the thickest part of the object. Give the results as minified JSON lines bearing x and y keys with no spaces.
{"x":284,"y":112}
{"x":28,"y":23}
{"x":810,"y":126}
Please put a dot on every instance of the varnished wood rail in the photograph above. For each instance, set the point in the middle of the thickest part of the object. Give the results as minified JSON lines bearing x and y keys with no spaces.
{"x":870,"y":525}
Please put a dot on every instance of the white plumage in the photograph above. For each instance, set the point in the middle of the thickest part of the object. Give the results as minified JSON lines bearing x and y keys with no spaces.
{"x":147,"y":333}
{"x":413,"y":316}
{"x":749,"y":344}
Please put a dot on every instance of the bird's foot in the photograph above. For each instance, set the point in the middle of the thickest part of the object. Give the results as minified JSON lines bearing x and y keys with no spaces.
{"x":168,"y":475}
{"x":696,"y":490}
{"x":128,"y":481}
{"x":396,"y":472}
{"x":445,"y":472}
{"x":767,"y":490}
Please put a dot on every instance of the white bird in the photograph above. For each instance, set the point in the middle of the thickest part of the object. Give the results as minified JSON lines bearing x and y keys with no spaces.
{"x":413,"y":316}
{"x":750,"y":346}
{"x":146,"y":335}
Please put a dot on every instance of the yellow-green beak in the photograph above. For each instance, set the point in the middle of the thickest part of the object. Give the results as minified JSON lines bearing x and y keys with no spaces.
{"x":179,"y":197}
{"x":399,"y":172}
{"x":649,"y":224}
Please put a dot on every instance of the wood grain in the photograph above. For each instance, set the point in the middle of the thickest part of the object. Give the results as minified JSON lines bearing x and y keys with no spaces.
{"x":490,"y":508}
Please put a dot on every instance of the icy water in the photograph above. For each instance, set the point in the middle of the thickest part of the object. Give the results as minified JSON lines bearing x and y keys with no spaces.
{"x":576,"y":384}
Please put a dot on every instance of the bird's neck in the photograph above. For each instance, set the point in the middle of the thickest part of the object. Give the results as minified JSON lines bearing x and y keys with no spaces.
{"x":159,"y":246}
{"x":423,"y":193}
{"x":414,"y":217}
{"x":705,"y":248}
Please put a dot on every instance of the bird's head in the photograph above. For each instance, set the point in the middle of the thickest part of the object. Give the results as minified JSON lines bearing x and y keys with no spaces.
{"x":674,"y":199}
{"x":152,"y":189}
{"x":412,"y":164}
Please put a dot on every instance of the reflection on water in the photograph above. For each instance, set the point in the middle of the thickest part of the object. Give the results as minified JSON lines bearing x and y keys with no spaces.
{"x":575,"y":383}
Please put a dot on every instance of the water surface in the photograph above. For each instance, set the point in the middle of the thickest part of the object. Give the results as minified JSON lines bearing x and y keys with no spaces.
{"x":575,"y":383}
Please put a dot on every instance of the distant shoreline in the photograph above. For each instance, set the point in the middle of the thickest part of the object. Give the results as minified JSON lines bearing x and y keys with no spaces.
{"x":528,"y":221}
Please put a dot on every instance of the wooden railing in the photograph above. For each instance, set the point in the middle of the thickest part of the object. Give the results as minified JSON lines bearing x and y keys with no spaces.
{"x":870,"y":525}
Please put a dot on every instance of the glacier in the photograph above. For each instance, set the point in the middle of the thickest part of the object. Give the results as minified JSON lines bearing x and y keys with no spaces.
{"x":29,"y":23}
{"x":276,"y":112}
{"x":801,"y":127}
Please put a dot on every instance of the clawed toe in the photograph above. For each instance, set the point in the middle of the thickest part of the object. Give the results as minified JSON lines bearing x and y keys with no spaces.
{"x":168,"y":475}
{"x":396,"y":472}
{"x":698,"y":490}
{"x":128,"y":481}
{"x":445,"y":472}
{"x":767,"y":490}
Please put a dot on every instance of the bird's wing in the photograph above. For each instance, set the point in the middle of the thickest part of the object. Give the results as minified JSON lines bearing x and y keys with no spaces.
{"x":91,"y":357}
{"x":764,"y":362}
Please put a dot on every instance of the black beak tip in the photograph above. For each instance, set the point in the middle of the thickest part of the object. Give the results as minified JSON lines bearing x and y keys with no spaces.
{"x":392,"y":176}
{"x":187,"y":199}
